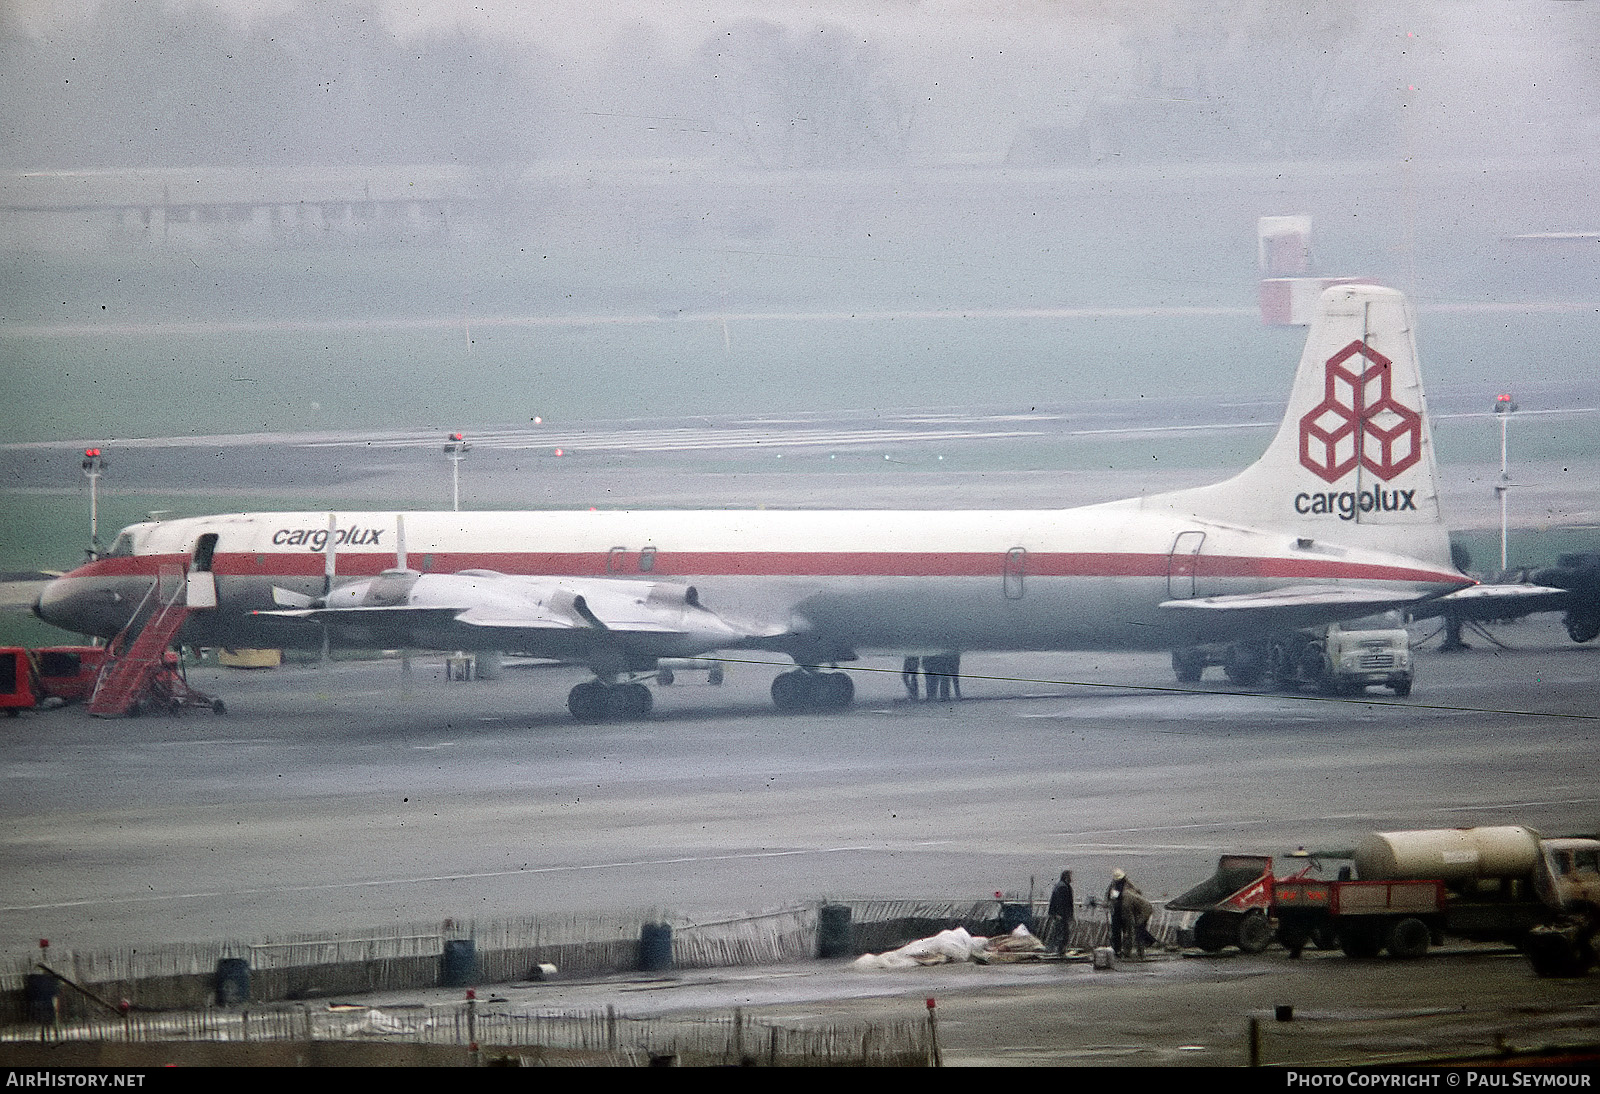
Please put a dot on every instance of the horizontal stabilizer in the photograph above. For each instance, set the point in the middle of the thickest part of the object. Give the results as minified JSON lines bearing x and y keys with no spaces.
{"x":1300,"y":606}
{"x":1485,"y":602}
{"x":1327,"y":596}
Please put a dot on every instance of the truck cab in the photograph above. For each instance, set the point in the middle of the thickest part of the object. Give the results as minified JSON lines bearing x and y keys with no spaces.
{"x":1374,"y":651}
{"x":1569,"y":874}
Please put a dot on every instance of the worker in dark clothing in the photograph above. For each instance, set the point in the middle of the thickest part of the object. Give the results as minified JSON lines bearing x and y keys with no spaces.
{"x":1058,"y":921}
{"x":1130,"y":912}
{"x":942,"y":671}
{"x":909,"y":671}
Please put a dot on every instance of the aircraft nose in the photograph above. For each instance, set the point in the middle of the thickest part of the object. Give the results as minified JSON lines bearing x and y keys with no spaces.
{"x":57,"y":604}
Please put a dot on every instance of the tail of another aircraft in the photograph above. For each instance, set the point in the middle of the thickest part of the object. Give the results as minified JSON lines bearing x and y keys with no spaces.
{"x":1352,"y":463}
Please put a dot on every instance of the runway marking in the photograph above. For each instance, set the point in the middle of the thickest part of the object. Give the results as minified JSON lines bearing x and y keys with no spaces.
{"x":1516,"y":805}
{"x":681,"y":440}
{"x":559,"y":322}
{"x":432,"y":879}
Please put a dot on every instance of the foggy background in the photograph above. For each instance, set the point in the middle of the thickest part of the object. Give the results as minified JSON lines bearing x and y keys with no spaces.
{"x":229,"y":217}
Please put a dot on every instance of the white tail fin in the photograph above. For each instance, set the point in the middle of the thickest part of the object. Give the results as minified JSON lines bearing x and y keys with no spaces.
{"x":1352,"y":462}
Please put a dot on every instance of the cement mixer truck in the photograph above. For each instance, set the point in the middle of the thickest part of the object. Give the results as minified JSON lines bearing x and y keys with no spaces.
{"x":1405,"y":891}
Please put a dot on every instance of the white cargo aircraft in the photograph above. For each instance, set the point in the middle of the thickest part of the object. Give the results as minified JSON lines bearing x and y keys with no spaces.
{"x":1338,"y":519}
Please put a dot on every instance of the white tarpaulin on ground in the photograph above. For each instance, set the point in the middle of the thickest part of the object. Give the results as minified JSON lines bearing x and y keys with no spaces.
{"x":953,"y":945}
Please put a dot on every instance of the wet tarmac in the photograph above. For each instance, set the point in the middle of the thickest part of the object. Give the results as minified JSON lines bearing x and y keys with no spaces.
{"x":360,"y":794}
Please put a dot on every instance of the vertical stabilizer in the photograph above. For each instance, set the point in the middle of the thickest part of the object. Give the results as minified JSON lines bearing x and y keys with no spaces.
{"x":1352,"y":462}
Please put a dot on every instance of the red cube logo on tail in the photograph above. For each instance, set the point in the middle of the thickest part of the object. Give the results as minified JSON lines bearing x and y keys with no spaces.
{"x":1359,"y":421}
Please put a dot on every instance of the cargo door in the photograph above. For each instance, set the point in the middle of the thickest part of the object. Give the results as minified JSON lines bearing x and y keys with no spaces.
{"x":1016,"y":565}
{"x":1183,"y":565}
{"x":201,"y":584}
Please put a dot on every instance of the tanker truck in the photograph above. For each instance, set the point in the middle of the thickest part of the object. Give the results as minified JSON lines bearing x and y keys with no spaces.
{"x":1405,"y":891}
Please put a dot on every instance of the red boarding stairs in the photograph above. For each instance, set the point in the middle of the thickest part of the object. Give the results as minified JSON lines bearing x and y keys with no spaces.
{"x":145,"y":674}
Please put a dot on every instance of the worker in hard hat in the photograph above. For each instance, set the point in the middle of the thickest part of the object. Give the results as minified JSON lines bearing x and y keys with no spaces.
{"x":1130,"y":912}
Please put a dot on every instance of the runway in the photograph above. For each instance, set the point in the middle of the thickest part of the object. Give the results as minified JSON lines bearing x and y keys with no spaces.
{"x":356,"y":794}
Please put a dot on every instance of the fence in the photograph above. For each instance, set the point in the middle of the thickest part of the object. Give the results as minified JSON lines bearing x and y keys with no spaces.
{"x":408,"y":957}
{"x":592,"y":1036}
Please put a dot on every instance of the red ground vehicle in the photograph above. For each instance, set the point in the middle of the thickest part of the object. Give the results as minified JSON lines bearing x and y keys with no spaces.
{"x":28,"y":677}
{"x":1234,"y":904}
{"x":1412,"y":889}
{"x":17,"y":692}
{"x":1406,"y":891}
{"x":69,"y":672}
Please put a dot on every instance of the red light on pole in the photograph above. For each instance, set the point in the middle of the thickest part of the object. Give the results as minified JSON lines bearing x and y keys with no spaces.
{"x":94,"y":466}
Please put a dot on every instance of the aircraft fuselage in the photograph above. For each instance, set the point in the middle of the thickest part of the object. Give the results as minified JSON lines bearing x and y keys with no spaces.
{"x":1089,"y":578}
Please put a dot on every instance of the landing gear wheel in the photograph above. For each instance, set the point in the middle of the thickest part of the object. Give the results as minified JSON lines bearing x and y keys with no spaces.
{"x":218,"y":707}
{"x":1255,"y":933}
{"x":629,"y":702}
{"x":800,"y":690}
{"x":587,"y":701}
{"x":665,"y":677}
{"x":1401,"y":688}
{"x":791,"y":691}
{"x":835,"y":691}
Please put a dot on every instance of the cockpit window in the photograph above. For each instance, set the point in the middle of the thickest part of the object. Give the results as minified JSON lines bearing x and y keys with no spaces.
{"x":122,"y":548}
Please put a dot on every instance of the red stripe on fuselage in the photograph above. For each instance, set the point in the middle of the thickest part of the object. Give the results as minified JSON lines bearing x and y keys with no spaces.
{"x":675,"y":564}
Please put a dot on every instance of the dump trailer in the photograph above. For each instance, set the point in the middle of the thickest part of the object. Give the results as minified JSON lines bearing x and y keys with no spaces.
{"x":1233,"y":903}
{"x":1405,"y":891}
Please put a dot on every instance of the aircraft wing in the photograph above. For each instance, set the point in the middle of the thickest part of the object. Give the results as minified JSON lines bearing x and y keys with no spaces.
{"x":1294,"y":607}
{"x":560,"y":618}
{"x":1507,"y":601}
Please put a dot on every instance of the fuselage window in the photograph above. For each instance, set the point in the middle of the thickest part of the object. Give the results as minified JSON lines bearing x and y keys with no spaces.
{"x":616,"y":560}
{"x":647,"y":560}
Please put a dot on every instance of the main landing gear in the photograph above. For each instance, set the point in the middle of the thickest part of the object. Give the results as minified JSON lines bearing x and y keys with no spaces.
{"x":801,"y":690}
{"x":598,"y":701}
